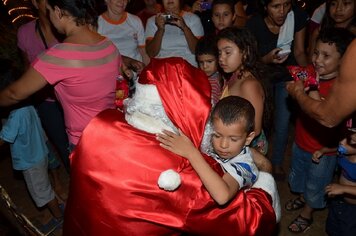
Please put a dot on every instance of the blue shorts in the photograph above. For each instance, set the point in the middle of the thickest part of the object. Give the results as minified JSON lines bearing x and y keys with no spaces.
{"x":311,"y":178}
{"x":341,"y":218}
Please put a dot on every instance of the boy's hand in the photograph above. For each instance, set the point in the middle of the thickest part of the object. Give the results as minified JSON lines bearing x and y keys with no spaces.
{"x":178,"y":144}
{"x":334,"y":189}
{"x":317,"y":155}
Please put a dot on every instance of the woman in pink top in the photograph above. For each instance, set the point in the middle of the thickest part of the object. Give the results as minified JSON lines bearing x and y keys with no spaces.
{"x":82,"y":69}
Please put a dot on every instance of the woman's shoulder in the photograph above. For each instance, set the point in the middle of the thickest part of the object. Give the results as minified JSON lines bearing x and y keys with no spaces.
{"x":133,"y":17}
{"x":189,"y":15}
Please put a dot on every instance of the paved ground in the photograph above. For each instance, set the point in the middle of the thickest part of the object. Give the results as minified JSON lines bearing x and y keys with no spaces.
{"x":13,"y":182}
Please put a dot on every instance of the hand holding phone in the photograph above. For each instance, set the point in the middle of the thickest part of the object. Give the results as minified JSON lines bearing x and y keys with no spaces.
{"x":283,"y":53}
{"x":205,"y":5}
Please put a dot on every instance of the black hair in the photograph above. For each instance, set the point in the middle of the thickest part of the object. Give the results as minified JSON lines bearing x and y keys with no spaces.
{"x":206,"y":45}
{"x":247,"y":44}
{"x":329,"y":22}
{"x":8,"y":73}
{"x":262,"y":6}
{"x":341,"y":37}
{"x":230,"y":3}
{"x":232,"y":109}
{"x":84,"y":11}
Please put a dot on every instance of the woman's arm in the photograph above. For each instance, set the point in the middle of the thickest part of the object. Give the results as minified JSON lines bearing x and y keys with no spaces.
{"x":153,"y":45}
{"x":145,"y":57}
{"x":299,"y":47}
{"x":189,"y":36}
{"x":30,"y":82}
{"x":221,"y":189}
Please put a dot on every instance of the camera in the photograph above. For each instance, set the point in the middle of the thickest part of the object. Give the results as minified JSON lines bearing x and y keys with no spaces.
{"x":168,"y":17}
{"x":205,"y":5}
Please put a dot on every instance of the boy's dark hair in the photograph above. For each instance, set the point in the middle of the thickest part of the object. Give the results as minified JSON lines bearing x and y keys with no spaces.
{"x":234,"y":108}
{"x":8,"y":73}
{"x":206,"y":45}
{"x":341,"y":37}
{"x":231,"y":3}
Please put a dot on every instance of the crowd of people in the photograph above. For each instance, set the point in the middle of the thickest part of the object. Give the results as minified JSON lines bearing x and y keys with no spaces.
{"x":211,"y":84}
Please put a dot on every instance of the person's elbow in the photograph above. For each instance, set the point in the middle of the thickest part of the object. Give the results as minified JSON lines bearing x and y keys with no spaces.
{"x":10,"y":96}
{"x":222,"y":199}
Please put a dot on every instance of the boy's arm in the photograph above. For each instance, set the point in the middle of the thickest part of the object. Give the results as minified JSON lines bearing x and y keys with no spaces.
{"x":221,"y":189}
{"x":338,"y":189}
{"x":324,"y":150}
{"x":1,"y":142}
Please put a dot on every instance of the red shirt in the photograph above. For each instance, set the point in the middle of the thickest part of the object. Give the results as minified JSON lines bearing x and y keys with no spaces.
{"x":309,"y":134}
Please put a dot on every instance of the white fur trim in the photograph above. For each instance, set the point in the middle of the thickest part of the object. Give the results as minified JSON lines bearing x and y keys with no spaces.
{"x":266,"y":182}
{"x":169,"y":180}
{"x":146,"y":123}
{"x":147,"y":93}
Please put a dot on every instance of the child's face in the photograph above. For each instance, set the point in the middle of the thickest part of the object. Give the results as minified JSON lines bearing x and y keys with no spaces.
{"x":208,"y":63}
{"x":342,"y":11}
{"x":326,"y":58}
{"x":230,"y":56}
{"x":228,"y":140}
{"x":222,"y":16}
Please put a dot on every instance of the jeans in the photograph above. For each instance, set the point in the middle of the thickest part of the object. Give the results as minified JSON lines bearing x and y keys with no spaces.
{"x":281,"y":117}
{"x":341,"y":218}
{"x":311,"y":178}
{"x":52,"y":120}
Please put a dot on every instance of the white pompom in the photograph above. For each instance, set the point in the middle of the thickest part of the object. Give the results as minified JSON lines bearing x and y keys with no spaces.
{"x":169,"y":180}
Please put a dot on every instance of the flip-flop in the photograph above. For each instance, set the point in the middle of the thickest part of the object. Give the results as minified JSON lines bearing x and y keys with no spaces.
{"x":294,"y":204}
{"x":302,"y":224}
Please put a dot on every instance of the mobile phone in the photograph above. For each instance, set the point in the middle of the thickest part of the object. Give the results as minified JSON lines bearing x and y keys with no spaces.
{"x":168,"y":17}
{"x":283,"y":53}
{"x":205,"y":5}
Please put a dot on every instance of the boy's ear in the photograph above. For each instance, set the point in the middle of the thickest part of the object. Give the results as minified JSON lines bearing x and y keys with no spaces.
{"x":234,"y":17}
{"x":249,"y":138}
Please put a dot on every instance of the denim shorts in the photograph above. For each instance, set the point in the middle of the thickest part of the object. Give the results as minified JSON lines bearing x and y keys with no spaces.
{"x":311,"y":178}
{"x":341,"y":218}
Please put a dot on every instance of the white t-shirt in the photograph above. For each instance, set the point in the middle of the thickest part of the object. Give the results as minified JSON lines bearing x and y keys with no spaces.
{"x":319,"y":13}
{"x":174,"y":43}
{"x":241,"y":167}
{"x":127,"y":34}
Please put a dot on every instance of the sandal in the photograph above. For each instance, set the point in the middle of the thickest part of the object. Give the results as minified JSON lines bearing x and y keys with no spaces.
{"x":294,"y":204}
{"x":301,"y":224}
